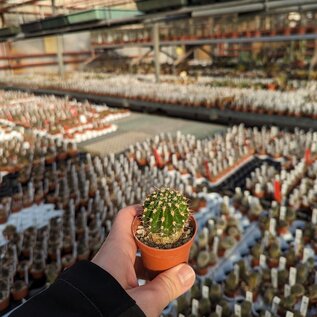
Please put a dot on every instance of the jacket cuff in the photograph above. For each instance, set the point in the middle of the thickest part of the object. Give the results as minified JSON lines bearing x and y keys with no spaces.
{"x":100,"y":288}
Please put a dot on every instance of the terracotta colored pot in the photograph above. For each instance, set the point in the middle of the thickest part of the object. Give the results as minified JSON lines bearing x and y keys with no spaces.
{"x":255,"y":262}
{"x":3,"y":219}
{"x":37,"y":274}
{"x":20,"y":294}
{"x":201,"y":271}
{"x":83,"y":256}
{"x":272,"y":262}
{"x":282,"y":230}
{"x":62,"y":156}
{"x":157,"y":260}
{"x":4,"y":303}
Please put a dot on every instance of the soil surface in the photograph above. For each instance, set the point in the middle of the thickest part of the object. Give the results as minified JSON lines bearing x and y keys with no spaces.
{"x":146,"y":238}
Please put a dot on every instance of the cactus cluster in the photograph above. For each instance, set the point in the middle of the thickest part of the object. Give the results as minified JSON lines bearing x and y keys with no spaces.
{"x":165,"y":215}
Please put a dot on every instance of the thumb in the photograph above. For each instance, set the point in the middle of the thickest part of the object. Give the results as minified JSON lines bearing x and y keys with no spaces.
{"x":167,"y":286}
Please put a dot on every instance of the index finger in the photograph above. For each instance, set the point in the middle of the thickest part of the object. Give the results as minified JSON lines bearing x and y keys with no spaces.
{"x":121,"y":229}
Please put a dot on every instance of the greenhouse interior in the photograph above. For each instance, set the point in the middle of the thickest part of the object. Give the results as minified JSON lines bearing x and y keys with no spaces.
{"x":142,"y":139}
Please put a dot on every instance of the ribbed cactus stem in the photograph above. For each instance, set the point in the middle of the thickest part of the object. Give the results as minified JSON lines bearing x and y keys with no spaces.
{"x":165,"y":214}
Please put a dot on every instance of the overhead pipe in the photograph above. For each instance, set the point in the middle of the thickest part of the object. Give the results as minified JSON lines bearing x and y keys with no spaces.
{"x":288,"y":3}
{"x":160,"y":16}
{"x":308,"y":7}
{"x":267,"y":6}
{"x":220,"y":5}
{"x":229,"y":10}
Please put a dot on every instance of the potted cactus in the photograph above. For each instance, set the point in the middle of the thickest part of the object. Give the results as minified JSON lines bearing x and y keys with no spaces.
{"x":298,"y":291}
{"x":274,"y":254}
{"x":4,"y":300}
{"x":203,"y":260}
{"x":246,"y":309}
{"x":231,"y":285}
{"x":215,"y":293}
{"x":312,"y":293}
{"x":19,"y":290}
{"x":165,"y":231}
{"x":256,"y":252}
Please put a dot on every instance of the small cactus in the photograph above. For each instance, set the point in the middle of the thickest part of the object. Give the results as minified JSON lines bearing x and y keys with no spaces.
{"x":165,"y":215}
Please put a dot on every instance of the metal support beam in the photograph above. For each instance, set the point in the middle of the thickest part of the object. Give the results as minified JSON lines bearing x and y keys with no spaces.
{"x":15,"y":5}
{"x":156,"y":41}
{"x":60,"y":57}
{"x":275,"y":38}
{"x":313,"y":61}
{"x":59,"y":44}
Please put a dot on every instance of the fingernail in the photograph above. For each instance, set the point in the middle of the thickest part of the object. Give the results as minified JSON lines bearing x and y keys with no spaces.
{"x":186,"y":275}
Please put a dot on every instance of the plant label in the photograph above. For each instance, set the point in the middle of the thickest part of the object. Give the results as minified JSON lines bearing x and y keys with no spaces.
{"x":237,"y":310}
{"x":237,"y":271}
{"x":205,"y":291}
{"x":289,"y":314}
{"x":203,"y":238}
{"x":26,"y":275}
{"x":296,"y":247}
{"x":292,"y":276}
{"x":274,"y":278}
{"x":275,"y":303}
{"x":265,"y":240}
{"x":249,"y":296}
{"x":272,"y":226}
{"x":215,"y":245}
{"x":282,"y":213}
{"x":304,"y":306}
{"x":298,"y":235}
{"x":219,"y":310}
{"x":211,"y":224}
{"x":262,"y":261}
{"x":282,"y":263}
{"x":314,"y":216}
{"x":195,"y":307}
{"x":58,"y":257}
{"x":306,"y":254}
{"x":287,"y":290}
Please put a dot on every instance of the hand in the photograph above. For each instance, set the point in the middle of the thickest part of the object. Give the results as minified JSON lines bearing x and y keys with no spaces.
{"x":118,"y":257}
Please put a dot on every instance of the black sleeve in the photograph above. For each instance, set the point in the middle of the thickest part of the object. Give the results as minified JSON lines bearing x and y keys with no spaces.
{"x":84,"y":290}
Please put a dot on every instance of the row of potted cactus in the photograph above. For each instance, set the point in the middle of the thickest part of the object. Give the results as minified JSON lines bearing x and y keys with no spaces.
{"x":90,"y":190}
{"x":300,"y":102}
{"x":58,"y":117}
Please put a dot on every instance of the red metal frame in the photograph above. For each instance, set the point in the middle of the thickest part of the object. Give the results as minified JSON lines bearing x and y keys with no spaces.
{"x":42,"y":55}
{"x":53,"y":63}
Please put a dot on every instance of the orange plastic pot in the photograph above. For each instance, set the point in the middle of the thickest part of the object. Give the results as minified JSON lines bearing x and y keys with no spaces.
{"x":157,"y":260}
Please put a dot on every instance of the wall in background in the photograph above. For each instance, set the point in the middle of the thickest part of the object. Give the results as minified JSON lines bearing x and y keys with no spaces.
{"x":71,"y":43}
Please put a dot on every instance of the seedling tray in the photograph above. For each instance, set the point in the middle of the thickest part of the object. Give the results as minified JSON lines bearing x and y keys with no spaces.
{"x":9,"y":31}
{"x":157,"y":5}
{"x":36,"y":215}
{"x":54,"y":22}
{"x":87,"y":16}
{"x":31,"y":27}
{"x":113,"y":14}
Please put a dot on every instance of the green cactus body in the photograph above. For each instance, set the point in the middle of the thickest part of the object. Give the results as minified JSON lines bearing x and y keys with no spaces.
{"x":165,"y":215}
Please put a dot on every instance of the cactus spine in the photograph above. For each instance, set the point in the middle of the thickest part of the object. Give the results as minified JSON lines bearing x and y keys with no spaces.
{"x":165,"y":215}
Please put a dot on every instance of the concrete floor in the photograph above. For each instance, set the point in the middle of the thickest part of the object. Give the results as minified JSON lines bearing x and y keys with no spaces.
{"x":138,"y":127}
